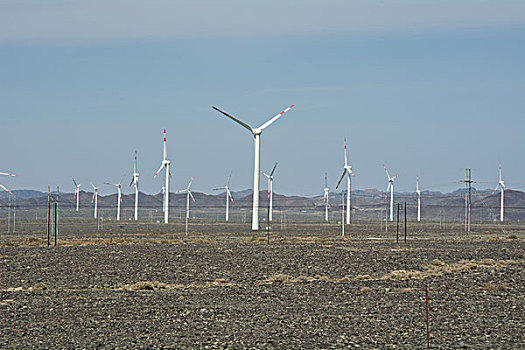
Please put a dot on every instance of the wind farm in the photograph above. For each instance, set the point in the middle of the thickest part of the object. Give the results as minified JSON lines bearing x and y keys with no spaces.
{"x":372,"y":197}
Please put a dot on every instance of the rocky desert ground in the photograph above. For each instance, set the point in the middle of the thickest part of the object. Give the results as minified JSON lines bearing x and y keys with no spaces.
{"x":224,"y":287}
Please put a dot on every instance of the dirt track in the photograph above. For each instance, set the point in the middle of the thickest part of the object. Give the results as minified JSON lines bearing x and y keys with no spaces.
{"x":236,"y":291}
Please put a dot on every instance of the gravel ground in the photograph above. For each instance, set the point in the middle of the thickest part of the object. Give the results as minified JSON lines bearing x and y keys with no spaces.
{"x":236,"y":291}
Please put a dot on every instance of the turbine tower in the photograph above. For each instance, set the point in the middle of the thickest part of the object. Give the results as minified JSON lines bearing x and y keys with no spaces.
{"x":5,"y":188}
{"x":119,"y":197}
{"x":135,"y":183}
{"x":347,"y":170}
{"x":270,"y":190}
{"x":77,"y":191}
{"x":325,"y":197}
{"x":228,"y":196}
{"x":390,"y":188}
{"x":94,"y":200}
{"x":188,"y":195}
{"x":502,"y":187}
{"x":166,"y":164}
{"x":418,"y":193}
{"x":256,"y":134}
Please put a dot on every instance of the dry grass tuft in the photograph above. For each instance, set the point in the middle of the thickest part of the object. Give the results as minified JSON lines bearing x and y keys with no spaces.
{"x":362,"y":277}
{"x":512,"y":236}
{"x":156,"y":285}
{"x":279,"y":278}
{"x":493,"y":239}
{"x":365,"y":290}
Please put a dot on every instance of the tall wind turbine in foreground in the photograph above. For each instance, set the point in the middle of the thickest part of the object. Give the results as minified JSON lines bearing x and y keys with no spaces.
{"x":94,"y":200}
{"x":135,"y":183}
{"x":270,"y":190}
{"x":188,"y":195}
{"x":166,"y":164}
{"x":119,"y":197}
{"x":5,"y":188}
{"x":256,"y":134}
{"x":390,"y":188}
{"x":77,"y":191}
{"x":502,"y":187}
{"x":347,"y":170}
{"x":325,"y":197}
{"x":418,"y":194}
{"x":228,"y":196}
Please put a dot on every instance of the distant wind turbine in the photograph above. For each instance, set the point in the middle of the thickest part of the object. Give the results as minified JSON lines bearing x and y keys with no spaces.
{"x":418,"y":193}
{"x":94,"y":200}
{"x":325,"y":197}
{"x":347,"y":170}
{"x":228,"y":196}
{"x":256,"y":133}
{"x":270,"y":190}
{"x":166,"y":164}
{"x":77,"y":192}
{"x":119,"y":197}
{"x":5,"y":188}
{"x":502,"y":187}
{"x":390,"y":187}
{"x":135,"y":183}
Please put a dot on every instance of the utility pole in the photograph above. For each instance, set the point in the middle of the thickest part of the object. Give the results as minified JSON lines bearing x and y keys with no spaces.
{"x":468,"y":197}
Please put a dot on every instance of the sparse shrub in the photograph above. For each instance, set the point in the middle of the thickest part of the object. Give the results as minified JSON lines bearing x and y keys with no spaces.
{"x":362,"y":277}
{"x":437,"y":262}
{"x":502,"y":288}
{"x":513,"y":236}
{"x":279,"y":278}
{"x":493,"y":239}
{"x":365,"y":290}
{"x":147,"y":285}
{"x":39,"y":287}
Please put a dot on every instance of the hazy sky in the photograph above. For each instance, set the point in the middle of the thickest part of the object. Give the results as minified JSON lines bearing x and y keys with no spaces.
{"x":426,"y":87}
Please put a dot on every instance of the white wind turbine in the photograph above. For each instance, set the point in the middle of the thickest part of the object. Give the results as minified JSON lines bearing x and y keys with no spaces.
{"x":418,"y":193}
{"x":270,"y":190}
{"x":228,"y":196}
{"x":166,"y":164}
{"x":77,"y":191}
{"x":390,"y":188}
{"x":347,"y":170}
{"x":5,"y":188}
{"x":502,"y":187}
{"x":94,"y":200}
{"x":325,"y":197}
{"x":188,"y":195}
{"x":256,"y":133}
{"x":119,"y":197}
{"x":135,"y":183}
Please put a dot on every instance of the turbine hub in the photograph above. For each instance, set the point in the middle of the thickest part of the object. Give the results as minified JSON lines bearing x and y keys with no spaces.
{"x":257,"y":131}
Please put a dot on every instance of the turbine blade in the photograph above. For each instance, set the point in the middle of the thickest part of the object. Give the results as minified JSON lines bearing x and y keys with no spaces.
{"x":191,"y":195}
{"x":7,"y":174}
{"x":229,"y":178}
{"x":387,"y":174}
{"x":5,"y":188}
{"x":74,"y":182}
{"x":269,"y":122}
{"x":262,"y":172}
{"x":273,"y":170}
{"x":228,"y":193}
{"x":234,"y":119}
{"x":165,"y":148}
{"x":158,"y":171}
{"x":346,"y":157}
{"x":189,"y":185}
{"x":341,"y":179}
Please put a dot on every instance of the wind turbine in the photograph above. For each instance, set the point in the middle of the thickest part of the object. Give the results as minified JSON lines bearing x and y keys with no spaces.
{"x":418,"y":193}
{"x":188,"y":195}
{"x":119,"y":197}
{"x":135,"y":183}
{"x":270,"y":190}
{"x":77,"y":191}
{"x":347,"y":170}
{"x":5,"y":188}
{"x":502,"y":187}
{"x":390,"y":187}
{"x":94,"y":200}
{"x":325,"y":197}
{"x":228,"y":196}
{"x":256,"y":134}
{"x":166,"y":164}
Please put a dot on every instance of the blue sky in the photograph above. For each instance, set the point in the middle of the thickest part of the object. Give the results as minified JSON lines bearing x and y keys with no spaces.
{"x":426,"y":87}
